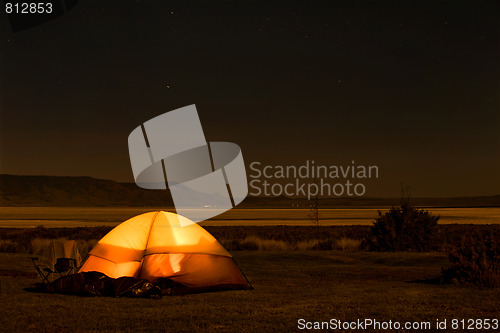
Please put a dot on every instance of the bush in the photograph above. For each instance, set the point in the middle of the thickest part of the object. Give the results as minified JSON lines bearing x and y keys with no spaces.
{"x":403,"y":229}
{"x":476,"y":260}
{"x":10,"y":246}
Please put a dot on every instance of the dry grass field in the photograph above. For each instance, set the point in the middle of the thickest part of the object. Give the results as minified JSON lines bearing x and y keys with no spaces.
{"x":313,"y":285}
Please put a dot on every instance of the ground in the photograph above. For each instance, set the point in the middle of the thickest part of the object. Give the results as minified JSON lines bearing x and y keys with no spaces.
{"x":313,"y":285}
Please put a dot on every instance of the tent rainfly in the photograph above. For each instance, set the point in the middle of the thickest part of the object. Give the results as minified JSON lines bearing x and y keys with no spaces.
{"x":154,"y":245}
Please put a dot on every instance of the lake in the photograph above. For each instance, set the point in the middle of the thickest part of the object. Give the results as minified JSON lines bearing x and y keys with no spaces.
{"x":28,"y":217}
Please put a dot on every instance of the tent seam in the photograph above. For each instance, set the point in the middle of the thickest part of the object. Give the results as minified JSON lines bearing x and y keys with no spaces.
{"x":207,"y":254}
{"x":147,"y":242}
{"x":114,"y":262}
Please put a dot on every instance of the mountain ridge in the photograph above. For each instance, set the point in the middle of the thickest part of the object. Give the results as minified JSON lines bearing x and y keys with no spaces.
{"x":80,"y":191}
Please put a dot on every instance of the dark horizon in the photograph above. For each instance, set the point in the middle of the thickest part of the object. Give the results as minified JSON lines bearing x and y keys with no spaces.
{"x":352,"y":200}
{"x":409,"y":87}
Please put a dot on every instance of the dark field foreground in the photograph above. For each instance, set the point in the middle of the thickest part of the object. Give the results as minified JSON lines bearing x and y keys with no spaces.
{"x":314,"y":285}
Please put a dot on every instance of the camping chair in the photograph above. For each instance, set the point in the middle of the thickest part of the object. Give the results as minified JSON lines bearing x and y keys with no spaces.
{"x":60,"y":257}
{"x":43,"y":272}
{"x":62,"y":267}
{"x":65,"y":266}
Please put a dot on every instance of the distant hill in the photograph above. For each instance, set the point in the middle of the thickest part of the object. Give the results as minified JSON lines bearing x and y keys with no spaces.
{"x":76,"y":191}
{"x":87,"y":191}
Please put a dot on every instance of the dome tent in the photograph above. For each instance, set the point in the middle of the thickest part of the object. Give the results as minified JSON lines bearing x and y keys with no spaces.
{"x":158,"y":245}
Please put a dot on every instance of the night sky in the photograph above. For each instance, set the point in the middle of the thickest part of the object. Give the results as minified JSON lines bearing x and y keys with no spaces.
{"x":410,"y":86}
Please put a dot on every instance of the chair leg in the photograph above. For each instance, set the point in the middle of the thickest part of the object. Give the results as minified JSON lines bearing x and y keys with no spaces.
{"x":46,"y":278}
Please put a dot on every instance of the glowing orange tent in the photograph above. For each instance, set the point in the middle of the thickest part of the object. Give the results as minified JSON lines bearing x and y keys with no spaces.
{"x":154,"y":245}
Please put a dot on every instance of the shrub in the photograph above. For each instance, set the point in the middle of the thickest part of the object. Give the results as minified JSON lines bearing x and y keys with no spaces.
{"x":476,"y":260}
{"x":348,"y":244}
{"x":403,"y":229}
{"x":10,"y":246}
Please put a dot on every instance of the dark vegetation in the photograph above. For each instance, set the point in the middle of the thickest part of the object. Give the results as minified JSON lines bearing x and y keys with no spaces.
{"x":20,"y":240}
{"x":404,"y":228}
{"x":476,"y":259}
{"x":473,"y":250}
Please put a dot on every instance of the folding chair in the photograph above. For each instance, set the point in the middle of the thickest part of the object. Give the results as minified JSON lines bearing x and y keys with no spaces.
{"x":62,"y":267}
{"x":43,"y":272}
{"x":59,"y":256}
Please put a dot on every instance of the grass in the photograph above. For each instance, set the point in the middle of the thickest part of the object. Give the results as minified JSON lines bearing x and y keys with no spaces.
{"x":297,"y":272}
{"x":314,"y":285}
